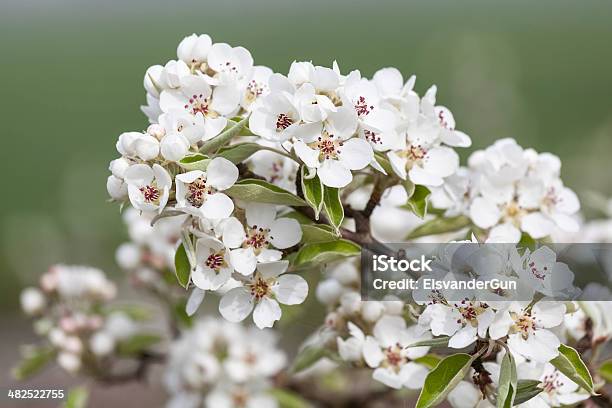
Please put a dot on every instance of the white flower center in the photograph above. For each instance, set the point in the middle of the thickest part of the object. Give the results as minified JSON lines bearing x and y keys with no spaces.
{"x":470,"y":311}
{"x":150,"y":193}
{"x":216,"y":261}
{"x":362,"y":108}
{"x":372,"y":137}
{"x":414,"y":154}
{"x":551,"y":382}
{"x":197,"y":192}
{"x":260,"y":287}
{"x":257,"y":238}
{"x":283,"y":121}
{"x":394,"y":357}
{"x":254,"y":89}
{"x":524,"y":324}
{"x":328,"y":146}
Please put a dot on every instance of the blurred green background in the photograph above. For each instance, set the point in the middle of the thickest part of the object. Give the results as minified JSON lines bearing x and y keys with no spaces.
{"x":71,"y":74}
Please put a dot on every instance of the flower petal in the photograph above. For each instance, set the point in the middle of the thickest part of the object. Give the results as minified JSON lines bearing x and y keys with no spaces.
{"x":266,"y":313}
{"x":290,"y":289}
{"x":221,"y":173}
{"x":236,"y":305}
{"x":285,"y":233}
{"x":333,"y":174}
{"x":355,"y":154}
{"x":217,"y":206}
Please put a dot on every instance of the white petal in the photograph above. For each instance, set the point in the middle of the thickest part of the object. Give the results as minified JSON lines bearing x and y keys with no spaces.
{"x":217,"y":206}
{"x":355,"y":154}
{"x":463,"y":338}
{"x":422,"y":177}
{"x":243,"y":260}
{"x":413,"y":375}
{"x":537,"y":225}
{"x":441,"y":161}
{"x":225,"y":99}
{"x":207,"y":279}
{"x":272,"y":269}
{"x":484,"y":213}
{"x":236,"y":305}
{"x":398,"y":164}
{"x":333,"y":174}
{"x":285,"y":233}
{"x":290,"y":289}
{"x":342,"y":123}
{"x":233,"y":233}
{"x":387,"y":377}
{"x":504,"y":233}
{"x":260,"y":215}
{"x":221,"y":173}
{"x":371,"y":352}
{"x":194,"y":301}
{"x":309,"y":156}
{"x":266,"y":313}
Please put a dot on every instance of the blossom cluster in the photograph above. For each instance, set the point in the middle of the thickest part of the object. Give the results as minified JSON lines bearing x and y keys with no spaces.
{"x":507,"y":191}
{"x":70,"y":308}
{"x":221,"y":364}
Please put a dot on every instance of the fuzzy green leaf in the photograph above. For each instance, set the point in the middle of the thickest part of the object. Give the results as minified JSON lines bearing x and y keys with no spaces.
{"x":313,"y":192}
{"x":439,"y":225}
{"x":33,"y":360}
{"x":526,"y":390}
{"x":418,"y":202}
{"x":333,"y":206}
{"x":569,"y":363}
{"x":313,"y":233}
{"x":323,"y":252}
{"x":194,"y":162}
{"x":182,"y":266}
{"x":228,"y":134}
{"x":259,"y":191}
{"x":506,"y":390}
{"x":443,"y":378}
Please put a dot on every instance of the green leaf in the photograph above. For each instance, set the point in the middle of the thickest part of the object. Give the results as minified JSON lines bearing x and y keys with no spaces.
{"x":430,"y":360}
{"x":239,"y":152}
{"x":323,"y":252}
{"x":76,"y":398}
{"x":441,"y":341}
{"x":33,"y":360}
{"x":443,"y":378}
{"x":439,"y":225}
{"x":333,"y":206}
{"x":288,"y":399}
{"x":228,"y":134}
{"x":384,"y":163}
{"x":526,"y":390}
{"x":194,"y":162}
{"x":313,"y":233}
{"x":569,"y":363}
{"x":182,"y":266}
{"x":260,"y":191}
{"x":506,"y":389}
{"x":313,"y":192}
{"x":417,"y":203}
{"x":605,"y":370}
{"x":137,"y":343}
{"x":307,"y":356}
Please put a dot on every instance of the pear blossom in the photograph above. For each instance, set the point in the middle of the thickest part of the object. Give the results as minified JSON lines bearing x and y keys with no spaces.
{"x":351,"y":349}
{"x":212,"y":269}
{"x":262,"y":292}
{"x":200,"y":193}
{"x":386,"y":352}
{"x":32,"y":301}
{"x":528,"y":329}
{"x":254,"y":359}
{"x":194,"y":97}
{"x":257,"y":87}
{"x":138,"y":145}
{"x":464,"y":321}
{"x":557,"y":389}
{"x":250,"y":395}
{"x":148,"y":187}
{"x":275,"y":168}
{"x":264,"y":232}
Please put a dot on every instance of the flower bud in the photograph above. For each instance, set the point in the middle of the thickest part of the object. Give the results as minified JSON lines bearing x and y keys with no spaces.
{"x":329,"y":291}
{"x":101,"y":343}
{"x":157,"y":131}
{"x":372,"y":311}
{"x":69,"y":362}
{"x":174,"y":147}
{"x":116,"y":188}
{"x":125,"y":143}
{"x":32,"y":301}
{"x":128,"y":256}
{"x":118,"y":167}
{"x":57,"y":337}
{"x":73,"y":344}
{"x":194,"y":48}
{"x":153,"y":82}
{"x":350,"y":303}
{"x":350,"y":349}
{"x":173,"y":72}
{"x":146,"y":147}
